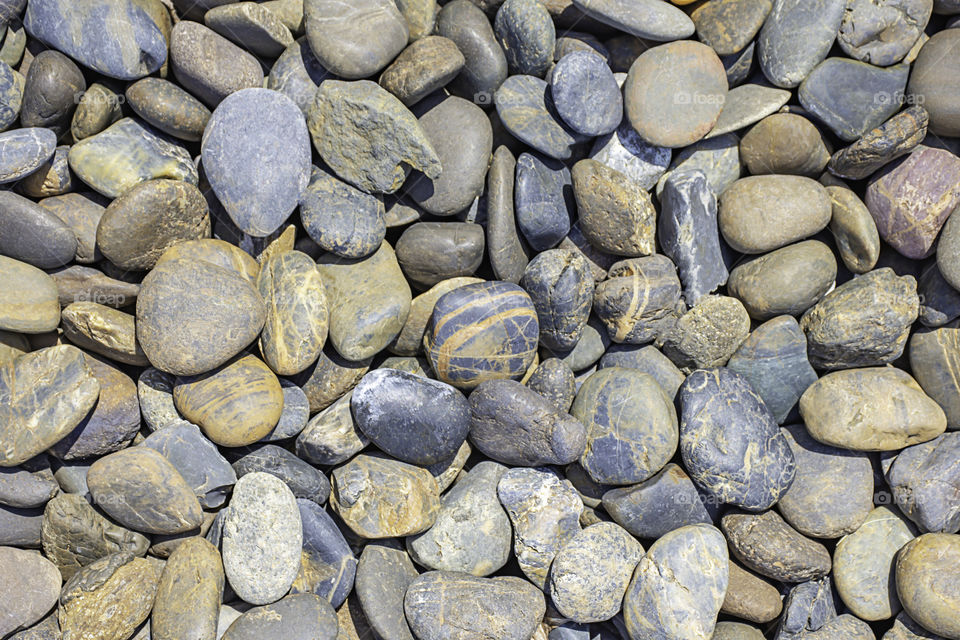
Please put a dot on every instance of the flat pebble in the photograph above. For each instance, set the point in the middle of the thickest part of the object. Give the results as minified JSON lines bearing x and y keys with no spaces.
{"x":527,"y":111}
{"x":304,"y":480}
{"x":208,"y":65}
{"x":33,"y":235}
{"x":433,"y":252}
{"x":340,"y":218}
{"x":428,"y":64}
{"x":23,"y":151}
{"x":168,"y":107}
{"x":796,"y":36}
{"x":384,"y":574}
{"x":544,"y":204}
{"x":646,"y":19}
{"x":586,"y":94}
{"x":30,"y":590}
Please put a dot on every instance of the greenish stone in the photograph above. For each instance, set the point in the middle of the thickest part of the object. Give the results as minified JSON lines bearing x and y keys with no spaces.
{"x":98,"y":108}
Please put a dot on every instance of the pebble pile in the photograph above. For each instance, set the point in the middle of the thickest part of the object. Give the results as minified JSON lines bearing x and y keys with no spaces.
{"x":480,"y":320}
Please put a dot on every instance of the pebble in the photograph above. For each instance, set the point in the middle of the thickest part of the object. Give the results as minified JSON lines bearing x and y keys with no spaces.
{"x":760,"y":213}
{"x":427,"y":65}
{"x":515,"y":425}
{"x":843,"y":626}
{"x":168,"y":108}
{"x":543,"y":200}
{"x":203,"y":468}
{"x":506,"y":346}
{"x":262,"y":538}
{"x":507,"y":252}
{"x":586,"y":94}
{"x":384,"y":574}
{"x":50,"y":92}
{"x":155,"y":394}
{"x":33,"y":235}
{"x":588,"y":349}
{"x":53,"y":178}
{"x":217,"y":252}
{"x":301,"y":616}
{"x":24,"y":488}
{"x":11,"y":95}
{"x":707,"y":335}
{"x":545,"y":512}
{"x":870,"y":409}
{"x":23,"y":151}
{"x":739,"y":456}
{"x":528,"y":113}
{"x":561,"y":287}
{"x":647,"y":359}
{"x":768,"y":545}
{"x":590,"y":574}
{"x":863,"y":322}
{"x":410,"y":340}
{"x":927,"y":590}
{"x":615,"y":214}
{"x":948,"y":247}
{"x":696,"y":92}
{"x":74,"y":534}
{"x":433,"y":252}
{"x":853,"y":97}
{"x":180,"y":612}
{"x":355,"y":40}
{"x":378,"y":497}
{"x":485,"y":65}
{"x":647,"y":19}
{"x":924,"y":479}
{"x":252,"y":26}
{"x":371,"y":152}
{"x":137,"y":152}
{"x":330,"y":377}
{"x":554,"y":380}
{"x":752,"y":103}
{"x":526,"y":33}
{"x":639,"y":298}
{"x":773,"y":359}
{"x":80,"y":283}
{"x":911,"y":200}
{"x":119,"y":583}
{"x":115,"y":39}
{"x":784,"y":143}
{"x":623,"y":150}
{"x":863,"y":564}
{"x":727,"y":630}
{"x":796,"y":37}
{"x":853,"y":230}
{"x":29,"y":591}
{"x":717,"y":158}
{"x":729,"y":26}
{"x":941,"y":302}
{"x":297,"y":73}
{"x":98,"y":108}
{"x":340,"y":218}
{"x":934,"y":73}
{"x":29,"y":301}
{"x":304,"y":480}
{"x":882,"y":34}
{"x":832,"y":491}
{"x":679,"y":585}
{"x":48,"y":393}
{"x":472,"y":532}
{"x":142,"y":490}
{"x":894,"y":138}
{"x":327,"y":564}
{"x":437,"y":602}
{"x":750,"y":597}
{"x":382,"y":404}
{"x":373,"y":301}
{"x":933,"y":359}
{"x":208,"y":65}
{"x":20,"y":527}
{"x":806,"y":608}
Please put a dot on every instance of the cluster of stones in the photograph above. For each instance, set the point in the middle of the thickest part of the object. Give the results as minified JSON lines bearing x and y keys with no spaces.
{"x":479,"y":319}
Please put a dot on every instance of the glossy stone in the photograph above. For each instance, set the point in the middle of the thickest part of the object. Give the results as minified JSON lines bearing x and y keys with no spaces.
{"x":327,"y":565}
{"x":354,"y":40}
{"x":795,"y":37}
{"x":23,"y":151}
{"x":168,"y":107}
{"x":31,"y":234}
{"x":769,"y":546}
{"x":208,"y":65}
{"x":203,"y":468}
{"x":640,"y":297}
{"x":433,"y":252}
{"x":544,"y":204}
{"x":527,"y":112}
{"x":736,"y":454}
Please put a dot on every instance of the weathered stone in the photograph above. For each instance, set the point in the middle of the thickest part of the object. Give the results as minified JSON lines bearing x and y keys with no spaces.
{"x":203,"y":468}
{"x":645,"y":19}
{"x":554,"y":380}
{"x":29,"y":591}
{"x":27,"y":487}
{"x":616,"y":215}
{"x":383,"y":576}
{"x":330,"y":377}
{"x":679,"y":585}
{"x":297,"y":319}
{"x":208,"y":65}
{"x":806,"y":608}
{"x":730,"y":442}
{"x":639,"y":299}
{"x":31,"y":234}
{"x":883,"y":33}
{"x":586,"y":94}
{"x":795,"y":37}
{"x":750,"y":597}
{"x":297,"y":617}
{"x":727,"y":630}
{"x":933,"y":359}
{"x":729,"y":26}
{"x":528,"y":114}
{"x":262,"y":539}
{"x":707,"y":335}
{"x":894,"y":138}
{"x":355,"y":40}
{"x":561,"y":287}
{"x":142,"y":490}
{"x":327,"y":564}
{"x":625,"y":151}
{"x":717,"y":158}
{"x":432,"y":252}
{"x":297,"y":73}
{"x":784,"y":143}
{"x":29,"y":302}
{"x":428,"y":64}
{"x":771,"y":547}
{"x":544,"y":203}
{"x":382,"y":498}
{"x":98,"y":108}
{"x":168,"y":107}
{"x":506,"y":251}
{"x":81,"y":212}
{"x":925,"y":482}
{"x":340,"y":218}
{"x":927,"y":589}
{"x":189,"y":593}
{"x":25,"y":151}
{"x":545,"y":512}
{"x":760,"y":213}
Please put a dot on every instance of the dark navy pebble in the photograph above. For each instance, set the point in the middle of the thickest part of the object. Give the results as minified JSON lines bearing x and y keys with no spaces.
{"x":561,"y":286}
{"x":586,"y":94}
{"x":544,"y":200}
{"x":304,"y":480}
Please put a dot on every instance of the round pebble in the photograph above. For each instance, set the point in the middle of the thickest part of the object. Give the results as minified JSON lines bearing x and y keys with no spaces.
{"x":586,"y":94}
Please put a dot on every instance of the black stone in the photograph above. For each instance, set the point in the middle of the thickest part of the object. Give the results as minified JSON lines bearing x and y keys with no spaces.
{"x":429,"y":252}
{"x":52,"y":91}
{"x":328,"y":566}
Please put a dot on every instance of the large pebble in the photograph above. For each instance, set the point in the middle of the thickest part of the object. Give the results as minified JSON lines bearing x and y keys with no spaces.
{"x":639,"y":299}
{"x":434,"y":252}
{"x":356,"y":39}
{"x":586,"y":94}
{"x":29,"y":300}
{"x":31,"y":234}
{"x":485,"y":65}
{"x":23,"y":151}
{"x":925,"y":482}
{"x":506,"y":250}
{"x":527,"y":34}
{"x":208,"y":65}
{"x":707,"y":335}
{"x":615,"y":214}
{"x":928,"y":583}
{"x":544,"y":206}
{"x":727,"y":25}
{"x":561,"y":286}
{"x":931,"y":83}
{"x":168,"y":107}
{"x":527,"y":112}
{"x":262,"y":539}
{"x":189,"y":593}
{"x":428,"y":64}
{"x":327,"y":564}
{"x":29,"y":590}
{"x":383,"y":576}
{"x":768,"y":545}
{"x":796,"y":36}
{"x":647,"y":19}
{"x":730,"y":442}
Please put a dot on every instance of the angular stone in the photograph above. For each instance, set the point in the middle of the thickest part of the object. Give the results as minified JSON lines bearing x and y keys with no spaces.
{"x":363,"y":489}
{"x":754,"y":103}
{"x":616,"y":215}
{"x":142,"y":490}
{"x":730,"y":442}
{"x":806,"y":608}
{"x":208,"y":65}
{"x":516,"y":426}
{"x":340,"y":218}
{"x":928,"y":592}
{"x":796,"y":36}
{"x":357,"y":39}
{"x":545,"y":512}
{"x":189,"y":593}
{"x":168,"y":107}
{"x":882,"y":33}
{"x":24,"y":151}
{"x":896,"y":137}
{"x":117,"y":39}
{"x":29,"y":302}
{"x":428,"y":64}
{"x":485,"y":66}
{"x":46,"y":394}
{"x":297,"y":319}
{"x":31,"y":234}
{"x":727,"y":630}
{"x":925,"y":482}
{"x":863,"y":322}
{"x":330,"y":377}
{"x":647,"y":19}
{"x":544,"y":203}
{"x":527,"y":112}
{"x":262,"y":539}
{"x":717,"y":158}
{"x":773,"y":359}
{"x":707,"y":335}
{"x":383,"y":576}
{"x":768,"y":545}
{"x":375,"y":151}
{"x":327,"y":564}
{"x":203,"y":468}
{"x":679,"y":585}
{"x":433,"y":252}
{"x":639,"y":298}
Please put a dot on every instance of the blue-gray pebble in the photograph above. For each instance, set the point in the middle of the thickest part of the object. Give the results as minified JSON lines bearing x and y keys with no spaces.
{"x":304,"y":480}
{"x":544,"y":201}
{"x":561,"y":286}
{"x":340,"y":218}
{"x":256,"y":154}
{"x":586,"y":94}
{"x":327,"y":565}
{"x":527,"y":112}
{"x":297,"y":73}
{"x":796,"y":36}
{"x":527,"y":35}
{"x":23,"y":151}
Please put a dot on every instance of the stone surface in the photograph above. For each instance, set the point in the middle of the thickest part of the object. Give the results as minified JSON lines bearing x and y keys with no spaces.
{"x":543,"y":199}
{"x":327,"y":564}
{"x":639,"y":298}
{"x":258,"y":181}
{"x":373,"y":152}
{"x":870,"y":409}
{"x":410,"y":340}
{"x":927,"y":592}
{"x":679,"y":585}
{"x":784,"y":143}
{"x":203,"y":468}
{"x":46,"y":393}
{"x":208,"y":65}
{"x":625,"y":151}
{"x":485,"y":66}
{"x":854,"y":230}
{"x":761,"y":213}
{"x":441,"y":604}
{"x":297,"y":316}
{"x":750,"y":597}
{"x":298,"y":617}
{"x":297,"y":73}
{"x":142,"y":490}
{"x":933,"y":74}
{"x":383,"y":576}
{"x":615,"y":214}
{"x":52,"y":178}
{"x":340,"y":218}
{"x":773,"y":359}
{"x":11,"y":95}
{"x":330,"y":377}
{"x":506,"y":250}
{"x":729,"y":26}
{"x":646,"y":19}
{"x":31,"y":234}
{"x":252,"y":26}
{"x":23,"y":151}
{"x":354,"y":40}
{"x":707,"y":335}
{"x":948,"y":247}
{"x":695,"y":93}
{"x":894,"y":138}
{"x":30,"y":590}
{"x":883,"y":33}
{"x":29,"y":301}
{"x":235,"y":405}
{"x":911,"y":199}
{"x":905,"y":628}
{"x":863,"y":322}
{"x":527,"y":112}
{"x":754,"y":103}
{"x":545,"y":512}
{"x":50,"y":92}
{"x":561,"y":286}
{"x":81,"y":212}
{"x":795,"y":37}
{"x":554,"y":380}
{"x":188,"y":597}
{"x":925,"y":482}
{"x":729,"y":441}
{"x":433,"y":252}
{"x":527,"y":34}
{"x":428,"y":64}
{"x":168,"y":108}
{"x":647,"y":359}
{"x":378,"y":497}
{"x":155,"y":394}
{"x":373,"y":300}
{"x":933,"y":359}
{"x":27,"y":487}
{"x":586,"y":94}
{"x":262,"y":538}
{"x":98,"y":108}
{"x":768,"y":545}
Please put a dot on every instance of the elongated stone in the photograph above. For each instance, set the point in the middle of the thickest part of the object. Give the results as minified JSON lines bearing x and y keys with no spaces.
{"x":795,"y":37}
{"x":31,"y":234}
{"x":208,"y":65}
{"x":30,"y":590}
{"x":561,"y":287}
{"x":646,"y":19}
{"x":854,"y":230}
{"x":327,"y":564}
{"x":933,"y":359}
{"x":168,"y":107}
{"x":383,"y":576}
{"x":507,"y":252}
{"x":27,"y":487}
{"x":771,"y":547}
{"x":29,"y":303}
{"x":528,"y":114}
{"x":188,"y":597}
{"x":894,"y":138}
{"x":297,"y":617}
{"x":485,"y":66}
